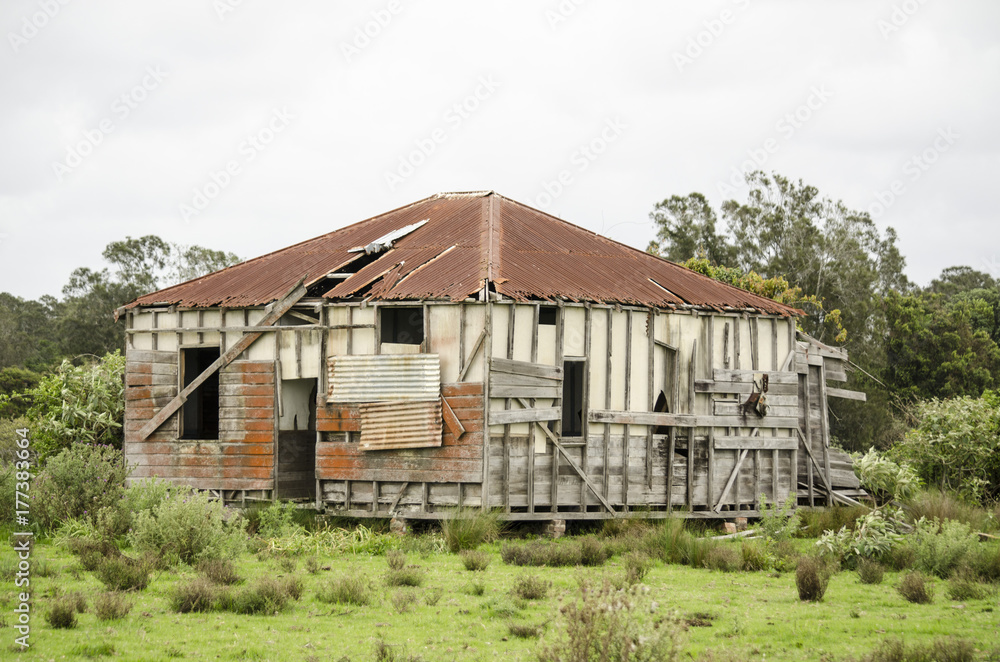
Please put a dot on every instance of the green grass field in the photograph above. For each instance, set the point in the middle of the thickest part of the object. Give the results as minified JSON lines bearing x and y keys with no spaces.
{"x":738,"y":615}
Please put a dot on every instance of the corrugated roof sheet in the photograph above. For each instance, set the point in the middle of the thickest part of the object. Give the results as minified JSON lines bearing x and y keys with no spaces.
{"x":384,"y":377}
{"x":393,"y":425}
{"x":469,"y":238}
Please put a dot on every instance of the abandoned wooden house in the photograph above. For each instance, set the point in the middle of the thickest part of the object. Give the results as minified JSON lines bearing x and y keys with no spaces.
{"x":468,"y":350}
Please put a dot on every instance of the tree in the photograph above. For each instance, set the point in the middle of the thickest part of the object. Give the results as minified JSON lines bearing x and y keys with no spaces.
{"x":28,"y":336}
{"x":686,"y":228}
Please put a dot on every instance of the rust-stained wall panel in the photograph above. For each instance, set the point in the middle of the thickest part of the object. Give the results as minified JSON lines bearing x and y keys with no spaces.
{"x":384,"y":377}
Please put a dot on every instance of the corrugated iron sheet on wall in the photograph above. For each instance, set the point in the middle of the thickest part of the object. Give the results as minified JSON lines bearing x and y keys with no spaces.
{"x":394,"y":425}
{"x":385,"y":378}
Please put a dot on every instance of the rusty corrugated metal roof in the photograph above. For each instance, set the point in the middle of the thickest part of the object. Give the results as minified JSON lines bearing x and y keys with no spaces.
{"x":469,"y":238}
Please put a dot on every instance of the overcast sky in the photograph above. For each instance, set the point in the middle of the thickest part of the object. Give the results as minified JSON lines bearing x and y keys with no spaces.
{"x":247,"y":125}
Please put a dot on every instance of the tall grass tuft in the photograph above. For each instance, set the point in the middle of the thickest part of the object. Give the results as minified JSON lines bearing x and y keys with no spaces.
{"x":468,"y":528}
{"x":475,"y":560}
{"x":812,"y":576}
{"x":870,"y":571}
{"x":349,"y":589}
{"x":945,"y":649}
{"x":914,"y":588}
{"x":933,"y":504}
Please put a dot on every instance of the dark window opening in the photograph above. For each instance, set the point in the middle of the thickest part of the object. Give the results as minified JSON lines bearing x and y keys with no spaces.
{"x":661,"y":407}
{"x":547,"y":315}
{"x":200,"y":412}
{"x":402,"y":324}
{"x":572,"y":398}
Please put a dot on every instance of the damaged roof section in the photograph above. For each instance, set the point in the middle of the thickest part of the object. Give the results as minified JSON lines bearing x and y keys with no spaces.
{"x":446,"y":246}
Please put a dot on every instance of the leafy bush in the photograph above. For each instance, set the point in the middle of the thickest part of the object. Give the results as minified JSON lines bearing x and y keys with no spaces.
{"x":197,"y":595}
{"x":530,"y":587}
{"x":79,"y":405}
{"x":725,"y":558}
{"x":62,"y":613}
{"x":467,"y":528}
{"x":92,"y":553}
{"x":870,"y":572}
{"x":956,"y":445}
{"x":111,"y":606}
{"x":985,"y":562}
{"x":778,"y":523}
{"x":941,"y":546}
{"x":277,"y":520}
{"x":188,"y":527}
{"x":267,"y":595}
{"x":475,"y":561}
{"x":602,"y":625}
{"x":220,"y":571}
{"x":812,"y":576}
{"x":901,"y":557}
{"x":14,"y":401}
{"x":915,"y":589}
{"x":884,"y":479}
{"x":78,"y":483}
{"x":348,"y":589}
{"x":874,"y":535}
{"x":502,"y":606}
{"x":934,"y":504}
{"x":120,"y":573}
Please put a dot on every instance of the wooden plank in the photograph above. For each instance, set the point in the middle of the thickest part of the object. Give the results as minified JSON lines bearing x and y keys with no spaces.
{"x":585,"y":465}
{"x":754,"y":345}
{"x":691,"y":433}
{"x":628,"y":404}
{"x":650,"y":349}
{"x":560,"y":357}
{"x":505,"y":391}
{"x":512,"y":379}
{"x":472,"y":356}
{"x":686,"y":420}
{"x":711,"y":467}
{"x":665,"y":345}
{"x":607,"y":403}
{"x":526,"y":368}
{"x":747,"y":376}
{"x":848,"y":395}
{"x":513,"y":416}
{"x":836,"y":375}
{"x":742,"y":388}
{"x":733,"y":408}
{"x":732,"y":479}
{"x":725,"y":346}
{"x":825,"y":426}
{"x":450,"y":419}
{"x":276,"y":311}
{"x":736,"y":343}
{"x":756,"y":443}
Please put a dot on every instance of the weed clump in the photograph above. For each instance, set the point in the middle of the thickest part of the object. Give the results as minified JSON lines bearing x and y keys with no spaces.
{"x":588,"y":551}
{"x":121,"y":573}
{"x":467,"y":528}
{"x":812,"y":576}
{"x":475,"y":560}
{"x":530,"y":587}
{"x":524,"y":630}
{"x":724,"y":558}
{"x":870,"y":572}
{"x":963,"y":585}
{"x":349,"y":589}
{"x":266,"y":596}
{"x":941,"y":547}
{"x":403,"y":600}
{"x":914,"y":588}
{"x":220,"y":571}
{"x":408,"y":576}
{"x":111,"y":606}
{"x":754,"y":556}
{"x":395,"y":559}
{"x":198,"y":595}
{"x":62,"y":614}
{"x":602,"y":624}
{"x":188,"y":527}
{"x":636,"y":567}
{"x":945,"y":649}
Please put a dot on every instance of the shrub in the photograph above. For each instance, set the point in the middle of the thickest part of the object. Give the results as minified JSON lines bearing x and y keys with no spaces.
{"x":816,"y":522}
{"x":267,"y":595}
{"x":396,"y":559}
{"x":77,"y":484}
{"x":525,"y":630}
{"x":92,"y":553}
{"x":985,"y":562}
{"x":467,"y":528}
{"x":874,"y":535}
{"x":408,"y":576}
{"x":121,"y":573}
{"x":934,"y":504}
{"x":811,"y":578}
{"x":78,"y":600}
{"x":870,"y":572}
{"x":941,"y":546}
{"x":964,"y":585}
{"x":915,"y":589}
{"x":312,"y":565}
{"x":602,"y":624}
{"x":220,"y":571}
{"x":668,"y":541}
{"x":111,"y":606}
{"x":754,"y":556}
{"x":188,"y":527}
{"x":884,"y":479}
{"x":946,"y":649}
{"x":501,"y":606}
{"x":475,"y":560}
{"x":62,"y":614}
{"x":900,"y":557}
{"x":725,"y":558}
{"x":530,"y":587}
{"x":587,"y":551}
{"x":349,"y":589}
{"x":954,"y":445}
{"x":636,"y":567}
{"x":778,"y":523}
{"x":476,"y":587}
{"x":433,"y":596}
{"x":403,"y":600}
{"x":277,"y":520}
{"x":199,"y":594}
{"x":79,"y":405}
{"x":593,"y":552}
